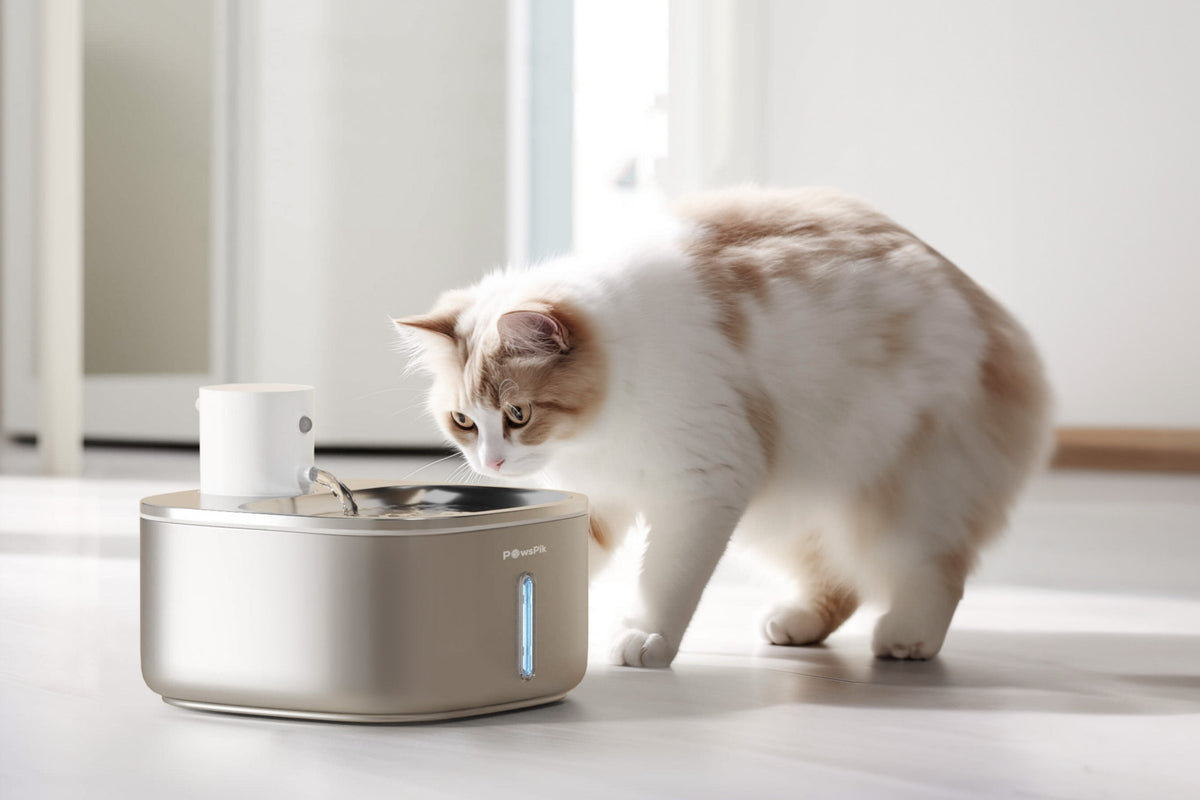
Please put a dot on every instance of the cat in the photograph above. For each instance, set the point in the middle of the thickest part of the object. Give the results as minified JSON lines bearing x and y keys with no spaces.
{"x":790,"y":365}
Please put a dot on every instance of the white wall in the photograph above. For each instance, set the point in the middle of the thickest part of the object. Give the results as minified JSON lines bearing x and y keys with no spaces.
{"x":372,"y":176}
{"x":1048,"y":148}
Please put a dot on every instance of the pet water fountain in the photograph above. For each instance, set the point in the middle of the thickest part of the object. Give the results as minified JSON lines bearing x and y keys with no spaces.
{"x":277,"y":589}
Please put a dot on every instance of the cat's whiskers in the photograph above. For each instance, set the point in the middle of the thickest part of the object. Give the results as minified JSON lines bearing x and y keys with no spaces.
{"x":430,"y":464}
{"x":410,"y":409}
{"x":456,"y":476}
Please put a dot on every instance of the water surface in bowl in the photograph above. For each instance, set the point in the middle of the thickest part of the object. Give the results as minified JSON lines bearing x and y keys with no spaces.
{"x":413,"y":511}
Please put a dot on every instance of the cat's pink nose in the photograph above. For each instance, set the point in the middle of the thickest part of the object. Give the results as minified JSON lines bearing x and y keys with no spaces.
{"x":495,"y":464}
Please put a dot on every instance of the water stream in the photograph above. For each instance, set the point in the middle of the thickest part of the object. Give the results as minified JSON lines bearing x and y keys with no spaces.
{"x":339,"y":489}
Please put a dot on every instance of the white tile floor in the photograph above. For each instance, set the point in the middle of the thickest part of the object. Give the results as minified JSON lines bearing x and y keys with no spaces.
{"x":1072,"y":670}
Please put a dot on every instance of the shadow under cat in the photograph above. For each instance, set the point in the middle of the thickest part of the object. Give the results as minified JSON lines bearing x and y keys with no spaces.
{"x":1059,"y":673}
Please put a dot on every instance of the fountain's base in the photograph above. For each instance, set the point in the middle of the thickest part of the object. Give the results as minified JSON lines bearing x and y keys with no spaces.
{"x":285,"y":713}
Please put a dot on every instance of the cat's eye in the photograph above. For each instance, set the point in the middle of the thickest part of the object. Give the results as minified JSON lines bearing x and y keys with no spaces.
{"x":462,"y":420}
{"x":517,"y":415}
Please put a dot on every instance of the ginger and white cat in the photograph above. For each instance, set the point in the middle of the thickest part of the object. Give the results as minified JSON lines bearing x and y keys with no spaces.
{"x":788,"y":367}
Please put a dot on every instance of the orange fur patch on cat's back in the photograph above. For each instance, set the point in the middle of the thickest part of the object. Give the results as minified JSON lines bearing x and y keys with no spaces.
{"x":746,"y":238}
{"x":837,"y":221}
{"x":744,"y":241}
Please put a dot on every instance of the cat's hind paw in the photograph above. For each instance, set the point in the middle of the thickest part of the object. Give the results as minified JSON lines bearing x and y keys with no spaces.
{"x":636,"y":648}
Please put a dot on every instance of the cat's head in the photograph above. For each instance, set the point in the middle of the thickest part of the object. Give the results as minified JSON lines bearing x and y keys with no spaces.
{"x":510,"y":384}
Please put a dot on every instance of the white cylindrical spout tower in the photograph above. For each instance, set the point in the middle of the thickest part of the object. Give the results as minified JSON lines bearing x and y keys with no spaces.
{"x":256,"y":439}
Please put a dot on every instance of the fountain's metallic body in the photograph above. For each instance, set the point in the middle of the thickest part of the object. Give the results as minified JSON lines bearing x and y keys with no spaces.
{"x":433,"y":602}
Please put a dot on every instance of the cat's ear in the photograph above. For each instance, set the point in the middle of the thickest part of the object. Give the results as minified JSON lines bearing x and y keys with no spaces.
{"x":441,"y":323}
{"x":442,"y":320}
{"x":430,"y":340}
{"x":533,"y":333}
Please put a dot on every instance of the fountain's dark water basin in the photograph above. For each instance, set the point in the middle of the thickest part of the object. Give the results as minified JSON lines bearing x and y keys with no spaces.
{"x":411,"y":502}
{"x":413,"y":511}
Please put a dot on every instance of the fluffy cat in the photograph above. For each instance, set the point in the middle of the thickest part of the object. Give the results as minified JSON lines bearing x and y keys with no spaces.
{"x":790,"y":365}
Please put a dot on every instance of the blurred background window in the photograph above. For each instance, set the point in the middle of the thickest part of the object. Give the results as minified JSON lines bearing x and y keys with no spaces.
{"x":621,"y":60}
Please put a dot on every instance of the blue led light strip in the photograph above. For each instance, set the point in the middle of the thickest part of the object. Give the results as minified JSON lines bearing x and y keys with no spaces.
{"x":525,"y":626}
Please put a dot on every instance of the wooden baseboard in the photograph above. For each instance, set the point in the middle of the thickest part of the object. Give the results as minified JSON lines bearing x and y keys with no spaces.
{"x":1149,"y":449}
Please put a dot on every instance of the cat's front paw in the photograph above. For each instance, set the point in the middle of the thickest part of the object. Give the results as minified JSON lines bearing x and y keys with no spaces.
{"x":637,"y":648}
{"x":905,"y":638}
{"x":791,"y":624}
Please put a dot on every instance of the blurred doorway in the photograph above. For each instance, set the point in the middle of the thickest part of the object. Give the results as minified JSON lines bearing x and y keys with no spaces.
{"x":155,"y":198}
